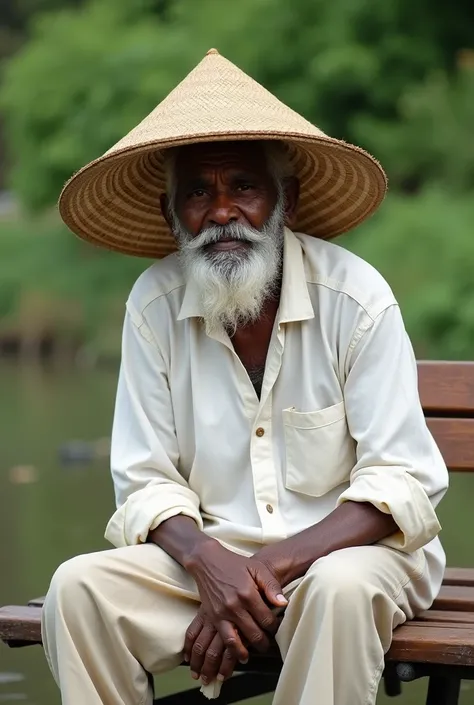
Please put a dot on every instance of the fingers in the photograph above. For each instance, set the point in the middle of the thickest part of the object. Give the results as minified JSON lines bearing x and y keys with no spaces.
{"x":252,"y":617}
{"x":256,"y":619}
{"x":252,"y":633}
{"x":200,"y":650}
{"x":263,"y":616}
{"x":219,"y":662}
{"x":270,"y":587}
{"x":192,"y":634}
{"x":228,"y":664}
{"x":232,"y":641}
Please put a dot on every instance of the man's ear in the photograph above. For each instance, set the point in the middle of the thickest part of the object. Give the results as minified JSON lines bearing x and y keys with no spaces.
{"x":164,"y":204}
{"x":292,"y":192}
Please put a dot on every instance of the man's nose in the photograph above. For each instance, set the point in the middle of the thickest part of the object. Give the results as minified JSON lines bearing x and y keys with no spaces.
{"x":222,"y":211}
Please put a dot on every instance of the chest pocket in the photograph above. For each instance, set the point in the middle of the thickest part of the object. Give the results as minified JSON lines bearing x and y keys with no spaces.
{"x":320,"y":452}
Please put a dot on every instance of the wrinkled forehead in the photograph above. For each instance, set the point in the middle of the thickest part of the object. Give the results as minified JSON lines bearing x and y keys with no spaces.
{"x":243,"y":155}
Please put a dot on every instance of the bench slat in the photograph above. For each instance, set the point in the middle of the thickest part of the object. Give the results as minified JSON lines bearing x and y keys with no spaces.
{"x":455,"y":440}
{"x":457,"y":598}
{"x":432,"y":644}
{"x":459,"y":576}
{"x":18,"y":623}
{"x":446,"y":616}
{"x":433,"y":623}
{"x":446,"y":387}
{"x":417,"y":641}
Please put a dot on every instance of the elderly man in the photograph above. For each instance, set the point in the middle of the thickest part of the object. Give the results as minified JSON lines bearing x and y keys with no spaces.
{"x":273,"y":472}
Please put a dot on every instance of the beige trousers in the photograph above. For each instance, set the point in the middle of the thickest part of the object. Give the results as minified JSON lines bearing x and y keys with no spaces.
{"x":109,"y":616}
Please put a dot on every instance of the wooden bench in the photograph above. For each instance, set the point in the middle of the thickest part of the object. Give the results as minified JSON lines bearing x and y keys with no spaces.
{"x":438,"y":644}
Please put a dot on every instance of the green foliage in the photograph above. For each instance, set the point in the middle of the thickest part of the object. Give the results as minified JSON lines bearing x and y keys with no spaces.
{"x":425,"y":249}
{"x":396,"y":77}
{"x":15,"y":16}
{"x":379,"y":73}
{"x":432,"y":140}
{"x":68,"y":97}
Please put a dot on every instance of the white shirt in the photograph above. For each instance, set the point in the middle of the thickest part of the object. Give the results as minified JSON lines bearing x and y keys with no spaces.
{"x":339,"y":416}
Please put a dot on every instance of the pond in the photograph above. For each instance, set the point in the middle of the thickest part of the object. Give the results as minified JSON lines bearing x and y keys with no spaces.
{"x":53,"y":509}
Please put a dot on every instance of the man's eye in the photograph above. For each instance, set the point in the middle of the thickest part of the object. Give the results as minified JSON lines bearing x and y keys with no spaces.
{"x":245,"y":187}
{"x":197,"y":193}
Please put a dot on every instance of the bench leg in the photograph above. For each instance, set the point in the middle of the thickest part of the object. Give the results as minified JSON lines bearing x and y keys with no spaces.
{"x":443,"y":690}
{"x":392,"y":683}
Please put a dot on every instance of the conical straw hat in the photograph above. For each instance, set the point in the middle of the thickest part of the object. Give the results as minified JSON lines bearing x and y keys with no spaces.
{"x":113,"y":202}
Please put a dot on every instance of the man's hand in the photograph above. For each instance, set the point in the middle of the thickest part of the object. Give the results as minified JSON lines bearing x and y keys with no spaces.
{"x":236,"y":593}
{"x":205,"y":652}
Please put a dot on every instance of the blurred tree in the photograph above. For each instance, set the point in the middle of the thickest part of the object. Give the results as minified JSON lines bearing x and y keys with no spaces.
{"x":432,"y":139}
{"x":80,"y":85}
{"x":15,"y":16}
{"x":362,"y":71}
{"x":396,"y":77}
{"x":425,"y":249}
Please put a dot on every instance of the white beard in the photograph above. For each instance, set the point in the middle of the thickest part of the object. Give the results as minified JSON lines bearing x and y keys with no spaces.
{"x":233,"y":285}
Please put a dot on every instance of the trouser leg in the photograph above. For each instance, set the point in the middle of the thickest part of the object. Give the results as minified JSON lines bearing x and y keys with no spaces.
{"x":339,"y":623}
{"x":111,"y":616}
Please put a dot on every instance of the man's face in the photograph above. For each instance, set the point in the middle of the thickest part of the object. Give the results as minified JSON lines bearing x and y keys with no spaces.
{"x":222,"y":183}
{"x":227,"y":211}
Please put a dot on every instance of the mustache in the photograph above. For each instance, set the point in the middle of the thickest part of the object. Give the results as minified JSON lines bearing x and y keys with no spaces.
{"x":214,"y":233}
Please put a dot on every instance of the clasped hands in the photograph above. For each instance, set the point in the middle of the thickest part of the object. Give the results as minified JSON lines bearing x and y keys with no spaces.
{"x":238,"y":597}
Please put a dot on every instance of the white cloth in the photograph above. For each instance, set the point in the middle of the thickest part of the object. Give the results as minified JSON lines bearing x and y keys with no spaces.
{"x":339,"y":416}
{"x":110,"y":615}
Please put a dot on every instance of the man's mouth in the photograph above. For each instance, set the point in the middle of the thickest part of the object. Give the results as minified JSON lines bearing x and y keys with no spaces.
{"x":226,"y":244}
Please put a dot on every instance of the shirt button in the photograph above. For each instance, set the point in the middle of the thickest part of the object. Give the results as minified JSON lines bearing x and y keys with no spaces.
{"x":260,"y":432}
{"x":269,"y":508}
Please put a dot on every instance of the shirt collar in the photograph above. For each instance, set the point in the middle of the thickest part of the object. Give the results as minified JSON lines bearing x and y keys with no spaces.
{"x":295,"y":303}
{"x":191,"y":305}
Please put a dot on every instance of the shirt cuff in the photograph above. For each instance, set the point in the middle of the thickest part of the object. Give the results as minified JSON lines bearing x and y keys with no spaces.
{"x":392,"y":490}
{"x":146,"y":509}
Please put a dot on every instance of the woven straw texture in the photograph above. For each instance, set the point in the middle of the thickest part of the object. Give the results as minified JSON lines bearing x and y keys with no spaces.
{"x":113,"y":202}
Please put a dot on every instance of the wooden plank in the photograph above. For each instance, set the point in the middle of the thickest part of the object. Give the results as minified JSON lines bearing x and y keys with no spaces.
{"x":455,"y":438}
{"x":432,"y":644}
{"x":439,"y":616}
{"x":437,"y":641}
{"x":459,"y":576}
{"x":446,"y":387}
{"x":19,"y":623}
{"x":454,"y":608}
{"x":457,"y":598}
{"x":434,"y":623}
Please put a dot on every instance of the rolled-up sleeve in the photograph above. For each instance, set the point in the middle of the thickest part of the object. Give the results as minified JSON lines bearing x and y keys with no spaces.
{"x":399,"y":468}
{"x":145,"y":454}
